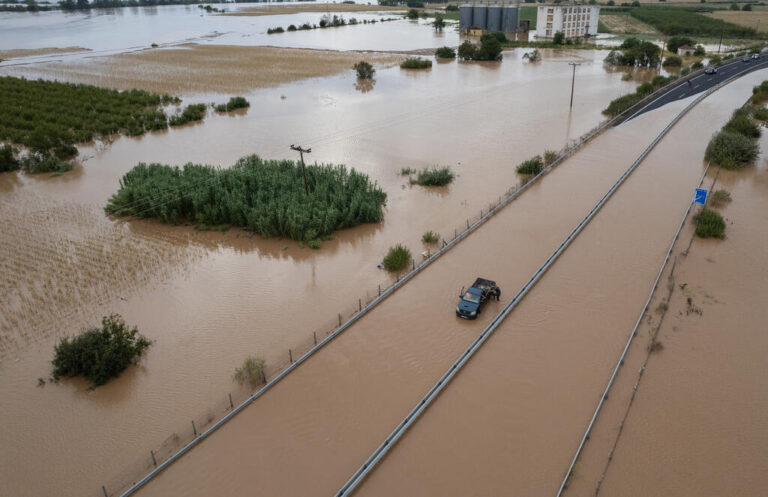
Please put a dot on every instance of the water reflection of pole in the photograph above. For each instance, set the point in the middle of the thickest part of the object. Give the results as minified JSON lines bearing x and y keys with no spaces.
{"x":301,"y":152}
{"x":573,"y":79}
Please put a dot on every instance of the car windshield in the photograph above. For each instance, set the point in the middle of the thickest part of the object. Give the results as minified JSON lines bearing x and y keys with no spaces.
{"x":472,"y":298}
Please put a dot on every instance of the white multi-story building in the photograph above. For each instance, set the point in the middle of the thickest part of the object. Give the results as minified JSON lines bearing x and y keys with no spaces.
{"x":572,"y":20}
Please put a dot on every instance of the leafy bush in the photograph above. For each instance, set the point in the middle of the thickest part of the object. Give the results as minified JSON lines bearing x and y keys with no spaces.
{"x":413,"y":14}
{"x":697,"y":65}
{"x":759,"y":93}
{"x":731,"y":150}
{"x":37,"y":163}
{"x":397,"y":258}
{"x":467,"y":50}
{"x":451,"y":8}
{"x":534,"y":56}
{"x":501,"y":37}
{"x":549,"y":157}
{"x":251,"y":372}
{"x":672,"y":61}
{"x":634,"y":53}
{"x":233,"y":104}
{"x":709,"y":224}
{"x":760,"y":113}
{"x":700,"y":51}
{"x":438,"y":23}
{"x":434,"y":177}
{"x":430,"y":237}
{"x":8,"y":160}
{"x":740,"y":122}
{"x":191,"y":113}
{"x":407,"y":171}
{"x":364,"y":70}
{"x":686,"y":21}
{"x":620,"y":104}
{"x":416,"y":63}
{"x":292,"y":27}
{"x":676,"y":42}
{"x":718,"y":198}
{"x":534,"y":165}
{"x":559,"y":38}
{"x":99,"y":354}
{"x":266,"y":197}
{"x":275,"y":30}
{"x":445,"y":53}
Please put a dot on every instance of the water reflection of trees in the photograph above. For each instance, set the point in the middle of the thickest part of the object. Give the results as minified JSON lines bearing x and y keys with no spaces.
{"x":365,"y":85}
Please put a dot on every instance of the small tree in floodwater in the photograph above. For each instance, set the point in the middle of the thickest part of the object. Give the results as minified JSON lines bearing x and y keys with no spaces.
{"x":364,"y":70}
{"x":251,"y":372}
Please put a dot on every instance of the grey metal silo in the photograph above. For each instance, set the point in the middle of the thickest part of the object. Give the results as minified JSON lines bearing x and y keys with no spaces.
{"x":480,"y":16}
{"x":465,"y":16}
{"x":510,"y":19}
{"x":494,"y":18}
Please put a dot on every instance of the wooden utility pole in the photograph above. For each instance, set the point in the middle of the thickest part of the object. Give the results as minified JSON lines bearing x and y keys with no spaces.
{"x":301,"y":152}
{"x":573,"y":79}
{"x":722,"y":31}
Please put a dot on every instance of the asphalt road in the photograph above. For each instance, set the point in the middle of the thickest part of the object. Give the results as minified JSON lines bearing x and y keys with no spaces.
{"x":703,"y":82}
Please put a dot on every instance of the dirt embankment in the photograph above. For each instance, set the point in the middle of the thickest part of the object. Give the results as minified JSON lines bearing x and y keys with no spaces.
{"x":28,"y":52}
{"x":312,"y":7}
{"x":203,"y":68}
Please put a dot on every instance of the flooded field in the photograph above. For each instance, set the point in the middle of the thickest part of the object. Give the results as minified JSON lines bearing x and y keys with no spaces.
{"x":552,"y":358}
{"x":701,"y":400}
{"x":210,"y":299}
{"x":391,"y":357}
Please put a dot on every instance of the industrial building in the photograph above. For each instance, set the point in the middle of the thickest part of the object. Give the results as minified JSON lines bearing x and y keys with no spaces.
{"x":574,"y":21}
{"x":489,"y":18}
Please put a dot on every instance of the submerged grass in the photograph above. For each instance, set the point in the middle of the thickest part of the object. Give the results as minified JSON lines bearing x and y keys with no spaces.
{"x":251,"y":372}
{"x":430,"y":237}
{"x":532,"y":166}
{"x":434,"y":177}
{"x":709,"y":224}
{"x":233,"y":104}
{"x":719,"y":198}
{"x":263,"y":196}
{"x":732,"y":150}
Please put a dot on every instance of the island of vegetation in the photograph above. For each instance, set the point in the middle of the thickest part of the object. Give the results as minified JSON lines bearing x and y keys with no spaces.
{"x":99,"y":354}
{"x":267,"y":197}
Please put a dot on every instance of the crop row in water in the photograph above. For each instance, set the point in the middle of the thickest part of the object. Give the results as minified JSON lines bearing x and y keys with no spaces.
{"x":266,"y":197}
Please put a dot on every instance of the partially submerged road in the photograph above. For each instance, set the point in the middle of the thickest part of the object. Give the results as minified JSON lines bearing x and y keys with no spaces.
{"x":312,"y":430}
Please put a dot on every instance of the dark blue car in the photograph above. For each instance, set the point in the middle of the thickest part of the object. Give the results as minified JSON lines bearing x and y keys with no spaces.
{"x":475,"y":297}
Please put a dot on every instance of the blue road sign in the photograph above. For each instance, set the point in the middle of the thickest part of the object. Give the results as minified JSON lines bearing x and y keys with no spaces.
{"x":700,"y":197}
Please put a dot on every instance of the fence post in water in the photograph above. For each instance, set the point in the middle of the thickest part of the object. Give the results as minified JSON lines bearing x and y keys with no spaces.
{"x":290,"y":355}
{"x":379,"y":289}
{"x":339,"y":319}
{"x":104,"y":490}
{"x":154,"y":461}
{"x":454,"y":233}
{"x":194,"y":429}
{"x":359,"y":305}
{"x":413,"y":264}
{"x":314,"y":335}
{"x":231,"y":404}
{"x":428,"y":254}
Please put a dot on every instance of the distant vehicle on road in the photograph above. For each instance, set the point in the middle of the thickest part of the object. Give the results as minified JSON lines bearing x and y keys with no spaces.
{"x":746,"y":58}
{"x":475,"y":297}
{"x":755,"y":55}
{"x":710,"y":70}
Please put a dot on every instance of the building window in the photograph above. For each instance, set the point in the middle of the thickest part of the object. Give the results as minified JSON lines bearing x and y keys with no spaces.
{"x":549,"y":24}
{"x":549,"y":18}
{"x":550,"y":11}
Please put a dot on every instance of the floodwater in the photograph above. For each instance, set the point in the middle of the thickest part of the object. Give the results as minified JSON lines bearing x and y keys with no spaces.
{"x":107,"y":31}
{"x":209,"y":300}
{"x":699,"y":412}
{"x":511,"y":422}
{"x":323,"y":420}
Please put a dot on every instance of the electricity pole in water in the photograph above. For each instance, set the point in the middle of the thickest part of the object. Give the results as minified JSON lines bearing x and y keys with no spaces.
{"x":301,"y":152}
{"x":573,"y":79}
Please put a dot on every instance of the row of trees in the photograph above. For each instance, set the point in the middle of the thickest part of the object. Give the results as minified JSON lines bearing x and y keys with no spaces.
{"x":266,"y":197}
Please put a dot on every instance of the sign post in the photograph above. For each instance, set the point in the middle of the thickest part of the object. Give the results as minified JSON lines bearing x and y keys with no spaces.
{"x":700,"y":197}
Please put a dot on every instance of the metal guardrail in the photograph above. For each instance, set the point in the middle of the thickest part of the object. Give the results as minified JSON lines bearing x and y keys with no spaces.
{"x":472,"y":227}
{"x":432,"y":394}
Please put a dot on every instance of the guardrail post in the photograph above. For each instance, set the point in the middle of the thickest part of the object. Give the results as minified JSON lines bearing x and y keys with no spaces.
{"x":359,"y":305}
{"x":231,"y":404}
{"x":379,"y":289}
{"x":314,"y":335}
{"x":339,"y":319}
{"x":290,"y":355}
{"x":467,"y":223}
{"x":154,"y":461}
{"x":194,"y":429}
{"x":104,"y":490}
{"x":413,"y":264}
{"x":454,"y":233}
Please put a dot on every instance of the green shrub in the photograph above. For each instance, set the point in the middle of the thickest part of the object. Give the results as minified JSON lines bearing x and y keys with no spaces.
{"x":233,"y":104}
{"x":697,"y":65}
{"x":8,"y":160}
{"x":36,"y":163}
{"x":533,"y":56}
{"x":434,"y":177}
{"x":709,"y":224}
{"x":99,"y":354}
{"x":686,"y":21}
{"x":620,"y":104}
{"x":467,"y":50}
{"x":413,"y":14}
{"x":438,"y":23}
{"x":406,"y":171}
{"x":451,"y":8}
{"x":445,"y":53}
{"x":740,"y":122}
{"x":549,"y":157}
{"x":430,"y":237}
{"x":759,"y":94}
{"x":292,"y":27}
{"x":533,"y":166}
{"x":266,"y":197}
{"x":275,"y":30}
{"x":718,"y":198}
{"x":700,"y":51}
{"x":760,"y":113}
{"x":397,"y":258}
{"x":251,"y":372}
{"x":364,"y":70}
{"x":672,"y":61}
{"x":731,"y":150}
{"x":415,"y":63}
{"x":676,"y":42}
{"x":191,"y":113}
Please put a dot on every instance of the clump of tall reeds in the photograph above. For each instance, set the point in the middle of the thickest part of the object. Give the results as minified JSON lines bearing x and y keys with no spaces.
{"x":709,"y":224}
{"x":251,"y":372}
{"x":397,"y":258}
{"x":434,"y":177}
{"x":234,"y":103}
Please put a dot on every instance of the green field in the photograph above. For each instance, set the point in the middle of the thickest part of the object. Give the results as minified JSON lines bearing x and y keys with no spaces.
{"x":686,"y":21}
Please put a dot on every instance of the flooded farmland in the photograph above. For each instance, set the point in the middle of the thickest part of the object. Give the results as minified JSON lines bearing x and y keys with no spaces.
{"x":208,"y":300}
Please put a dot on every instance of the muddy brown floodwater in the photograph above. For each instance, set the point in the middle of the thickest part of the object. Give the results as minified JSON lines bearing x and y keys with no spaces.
{"x":310,"y":432}
{"x":270,"y":10}
{"x":209,"y":300}
{"x":511,"y":421}
{"x":697,"y":425}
